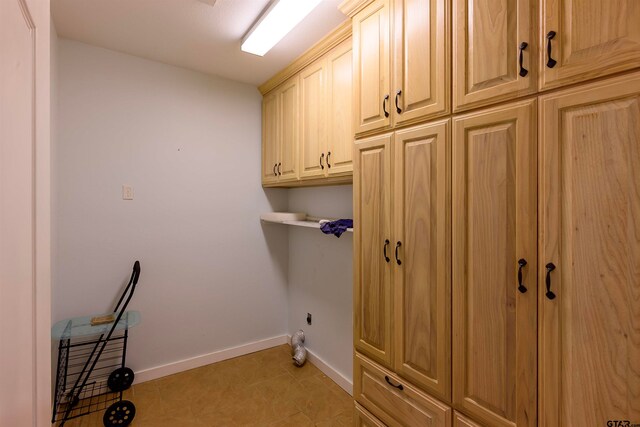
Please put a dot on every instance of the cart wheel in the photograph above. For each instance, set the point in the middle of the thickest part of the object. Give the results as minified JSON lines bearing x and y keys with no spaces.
{"x":120,"y":379}
{"x":119,"y":414}
{"x":72,"y":400}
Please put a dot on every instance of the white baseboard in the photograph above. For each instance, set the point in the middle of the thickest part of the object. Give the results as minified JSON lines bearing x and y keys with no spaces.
{"x":345,"y":383}
{"x":229,"y":353}
{"x":206,"y":359}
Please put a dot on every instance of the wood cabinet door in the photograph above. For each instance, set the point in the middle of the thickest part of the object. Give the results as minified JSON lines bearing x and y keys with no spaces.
{"x":340,"y":136}
{"x":421,"y":59}
{"x":289,"y":131}
{"x":494,"y":228}
{"x":590,"y":231}
{"x":487,"y":40}
{"x":270,"y":137}
{"x":592,"y":38}
{"x":372,"y":239}
{"x":371,"y":34}
{"x":313,"y":126}
{"x":422,"y":289}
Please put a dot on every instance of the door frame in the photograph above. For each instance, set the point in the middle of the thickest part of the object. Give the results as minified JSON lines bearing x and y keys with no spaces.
{"x":38,"y":17}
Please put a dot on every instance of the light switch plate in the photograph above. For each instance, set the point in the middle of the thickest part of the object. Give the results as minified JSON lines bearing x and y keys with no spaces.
{"x":127,"y":192}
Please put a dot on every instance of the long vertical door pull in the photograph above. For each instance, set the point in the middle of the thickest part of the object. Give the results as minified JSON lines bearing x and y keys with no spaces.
{"x":550,"y":61}
{"x":523,"y":71}
{"x":521,"y":264}
{"x":384,"y":250}
{"x":550,"y":267}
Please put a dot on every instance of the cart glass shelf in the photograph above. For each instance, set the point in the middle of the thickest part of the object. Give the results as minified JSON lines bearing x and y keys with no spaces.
{"x":81,"y":326}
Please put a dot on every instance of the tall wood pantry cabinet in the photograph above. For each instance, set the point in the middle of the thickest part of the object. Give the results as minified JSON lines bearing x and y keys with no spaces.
{"x":589,"y":297}
{"x":497,"y":234}
{"x":495,"y":264}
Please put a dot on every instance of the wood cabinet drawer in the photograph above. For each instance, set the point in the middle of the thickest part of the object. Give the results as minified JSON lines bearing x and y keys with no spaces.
{"x":394,"y":401}
{"x":363,"y":418}
{"x":460,"y":420}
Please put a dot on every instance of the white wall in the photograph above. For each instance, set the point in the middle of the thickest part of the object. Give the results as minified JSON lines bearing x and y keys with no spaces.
{"x":212,"y":275}
{"x":321,"y":277}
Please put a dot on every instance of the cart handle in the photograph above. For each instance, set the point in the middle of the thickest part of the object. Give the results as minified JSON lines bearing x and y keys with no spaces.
{"x":133,"y":281}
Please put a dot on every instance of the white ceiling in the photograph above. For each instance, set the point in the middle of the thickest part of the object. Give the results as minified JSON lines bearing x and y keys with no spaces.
{"x":190,"y":33}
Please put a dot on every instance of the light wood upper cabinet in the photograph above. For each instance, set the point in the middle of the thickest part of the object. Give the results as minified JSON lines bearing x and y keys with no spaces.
{"x":404,"y":79}
{"x":326,"y":121}
{"x":372,"y":67}
{"x":312,"y":120}
{"x":373,"y":248}
{"x":494,"y":233}
{"x":422,"y":292}
{"x":289,"y":133}
{"x":307,"y":117}
{"x":270,"y":137}
{"x":420,"y":59}
{"x":590,"y":226}
{"x":593,"y":38}
{"x":488,"y":40}
{"x":339,"y":158}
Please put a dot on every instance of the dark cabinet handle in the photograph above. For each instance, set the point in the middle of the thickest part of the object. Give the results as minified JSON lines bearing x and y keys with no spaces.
{"x":551,"y":62}
{"x":388,"y":380}
{"x":279,"y":170}
{"x":523,"y":71}
{"x":275,"y":165}
{"x":550,"y":267}
{"x":384,"y":105}
{"x":328,"y":156}
{"x":384,"y":250}
{"x":521,"y":263}
{"x":398,"y":109}
{"x":321,"y":158}
{"x":398,"y":247}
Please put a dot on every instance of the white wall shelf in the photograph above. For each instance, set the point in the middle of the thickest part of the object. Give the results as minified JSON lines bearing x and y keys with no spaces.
{"x":308,"y":221}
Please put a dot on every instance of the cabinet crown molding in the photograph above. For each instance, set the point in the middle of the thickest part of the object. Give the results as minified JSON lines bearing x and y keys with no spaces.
{"x":341,"y":33}
{"x":351,"y":7}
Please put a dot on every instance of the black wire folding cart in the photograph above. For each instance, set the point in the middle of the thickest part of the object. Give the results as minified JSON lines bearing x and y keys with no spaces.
{"x":91,"y":373}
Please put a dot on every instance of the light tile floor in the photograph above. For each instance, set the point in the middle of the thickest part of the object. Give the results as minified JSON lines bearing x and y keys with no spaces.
{"x":259,"y":389}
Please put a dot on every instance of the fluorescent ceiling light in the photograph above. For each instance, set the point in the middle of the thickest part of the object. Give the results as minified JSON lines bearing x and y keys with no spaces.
{"x":280,"y":18}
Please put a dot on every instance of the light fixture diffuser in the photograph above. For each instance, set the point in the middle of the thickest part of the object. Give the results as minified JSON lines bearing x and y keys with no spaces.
{"x":280,"y":18}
